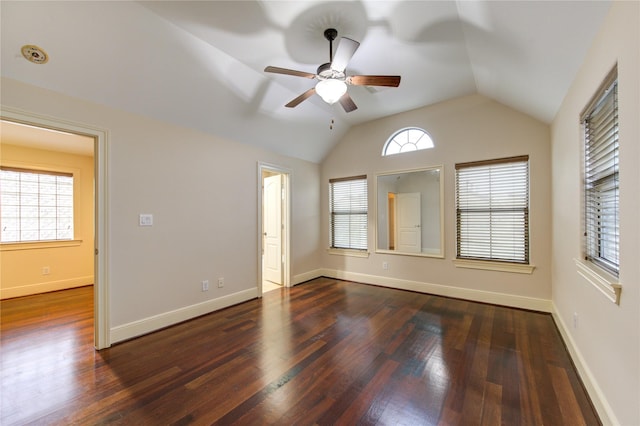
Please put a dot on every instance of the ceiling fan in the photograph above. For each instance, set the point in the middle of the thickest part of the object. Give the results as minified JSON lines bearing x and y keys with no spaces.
{"x":332,"y":79}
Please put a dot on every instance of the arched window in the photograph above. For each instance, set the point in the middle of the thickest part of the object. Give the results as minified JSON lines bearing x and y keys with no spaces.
{"x":408,"y":139}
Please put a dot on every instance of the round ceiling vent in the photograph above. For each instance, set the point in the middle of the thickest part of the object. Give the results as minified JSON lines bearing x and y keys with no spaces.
{"x":34,"y":54}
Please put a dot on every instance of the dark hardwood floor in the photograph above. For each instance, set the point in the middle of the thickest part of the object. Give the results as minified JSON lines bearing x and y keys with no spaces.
{"x":325,"y":352}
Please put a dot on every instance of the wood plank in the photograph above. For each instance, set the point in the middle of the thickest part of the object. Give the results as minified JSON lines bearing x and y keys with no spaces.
{"x":491,"y":414}
{"x":567,"y":401}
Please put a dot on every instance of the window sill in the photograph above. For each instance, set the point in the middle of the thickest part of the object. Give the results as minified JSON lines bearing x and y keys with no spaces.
{"x":39,"y":245}
{"x":489,"y":265}
{"x":348,"y":252}
{"x":600,"y":279}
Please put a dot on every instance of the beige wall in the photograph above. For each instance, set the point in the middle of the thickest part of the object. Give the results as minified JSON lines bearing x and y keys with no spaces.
{"x":465,"y":129}
{"x":70,"y":265}
{"x":606,"y":340}
{"x":202,"y":191}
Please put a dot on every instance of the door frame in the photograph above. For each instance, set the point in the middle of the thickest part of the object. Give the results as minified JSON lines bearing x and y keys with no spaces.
{"x":286,"y":221}
{"x":101,"y":283}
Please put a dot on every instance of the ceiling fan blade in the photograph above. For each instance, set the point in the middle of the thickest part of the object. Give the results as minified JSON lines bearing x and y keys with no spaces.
{"x":344,"y":52}
{"x":301,"y":98}
{"x":374,"y":80}
{"x":286,"y":71}
{"x":347,"y":103}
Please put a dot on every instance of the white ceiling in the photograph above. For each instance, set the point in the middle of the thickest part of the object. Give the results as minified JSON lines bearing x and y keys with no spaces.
{"x":200,"y":64}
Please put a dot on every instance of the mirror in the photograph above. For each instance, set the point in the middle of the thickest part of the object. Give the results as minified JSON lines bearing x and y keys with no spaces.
{"x":410,"y":212}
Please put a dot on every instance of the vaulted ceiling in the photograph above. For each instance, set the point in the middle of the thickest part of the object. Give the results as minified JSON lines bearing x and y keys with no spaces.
{"x":200,"y":64}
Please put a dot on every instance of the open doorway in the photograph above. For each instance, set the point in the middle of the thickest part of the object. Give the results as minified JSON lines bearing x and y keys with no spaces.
{"x":274,"y":209}
{"x":62,"y":142}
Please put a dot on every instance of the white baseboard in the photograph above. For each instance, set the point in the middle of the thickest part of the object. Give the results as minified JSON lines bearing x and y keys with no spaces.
{"x":306,"y":276}
{"x":29,"y":289}
{"x":510,"y":300}
{"x":156,"y":322}
{"x":598,"y":398}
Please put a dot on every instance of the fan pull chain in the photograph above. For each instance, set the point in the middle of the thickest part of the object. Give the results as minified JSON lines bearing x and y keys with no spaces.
{"x":331,"y":125}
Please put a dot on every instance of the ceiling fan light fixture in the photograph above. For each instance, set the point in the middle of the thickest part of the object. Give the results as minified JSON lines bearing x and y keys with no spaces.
{"x":331,"y":90}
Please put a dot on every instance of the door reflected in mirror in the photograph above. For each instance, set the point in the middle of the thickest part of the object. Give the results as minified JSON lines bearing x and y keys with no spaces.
{"x":410,"y":212}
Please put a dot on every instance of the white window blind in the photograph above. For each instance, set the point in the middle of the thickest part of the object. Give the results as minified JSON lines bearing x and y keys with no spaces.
{"x":348,"y":208}
{"x":35,"y":205}
{"x":492,"y":209}
{"x":602,"y":230}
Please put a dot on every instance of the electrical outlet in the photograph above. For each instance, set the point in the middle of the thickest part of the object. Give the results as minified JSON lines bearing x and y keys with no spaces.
{"x":145,"y":219}
{"x":220,"y":282}
{"x":205,"y":285}
{"x":46,"y":270}
{"x":385,"y":265}
{"x":575,"y":320}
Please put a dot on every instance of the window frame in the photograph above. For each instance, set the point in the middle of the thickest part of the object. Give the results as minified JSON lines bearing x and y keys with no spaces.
{"x":19,"y":242}
{"x":352,"y":248}
{"x":596,"y":241}
{"x":395,"y":135}
{"x":520,"y":264}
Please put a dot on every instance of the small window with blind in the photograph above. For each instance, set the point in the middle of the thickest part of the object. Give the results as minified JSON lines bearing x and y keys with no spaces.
{"x":36,"y":205}
{"x":348,"y":211}
{"x":601,"y":197}
{"x":492,"y":210}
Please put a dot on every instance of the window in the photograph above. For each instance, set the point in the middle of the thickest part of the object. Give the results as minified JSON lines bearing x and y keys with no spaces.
{"x":348,"y":207}
{"x":492,"y":210}
{"x":600,"y":123}
{"x":36,"y":205}
{"x":406,"y":140}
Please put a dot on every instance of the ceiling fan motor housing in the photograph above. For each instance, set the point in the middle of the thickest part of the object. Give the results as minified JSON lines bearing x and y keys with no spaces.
{"x":325,"y":72}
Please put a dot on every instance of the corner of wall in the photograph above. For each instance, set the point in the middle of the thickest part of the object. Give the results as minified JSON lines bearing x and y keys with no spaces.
{"x":598,"y":398}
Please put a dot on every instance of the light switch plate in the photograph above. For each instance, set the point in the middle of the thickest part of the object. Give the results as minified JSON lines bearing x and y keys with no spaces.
{"x":146,"y":219}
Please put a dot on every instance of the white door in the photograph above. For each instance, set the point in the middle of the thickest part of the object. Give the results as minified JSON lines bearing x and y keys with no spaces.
{"x":409,"y":230}
{"x":272,"y":228}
